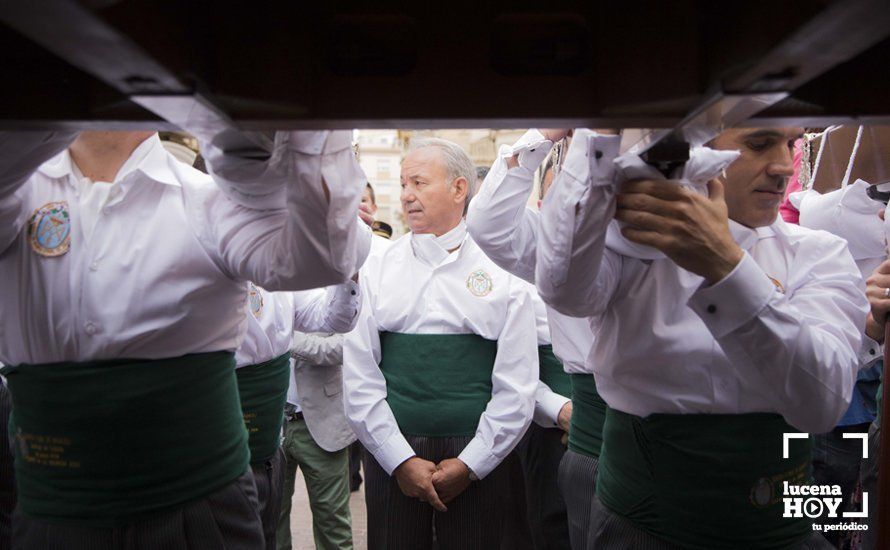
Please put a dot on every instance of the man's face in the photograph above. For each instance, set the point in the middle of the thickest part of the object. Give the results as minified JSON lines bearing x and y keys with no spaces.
{"x":431,"y":202}
{"x":755,"y":183}
{"x":366,"y":200}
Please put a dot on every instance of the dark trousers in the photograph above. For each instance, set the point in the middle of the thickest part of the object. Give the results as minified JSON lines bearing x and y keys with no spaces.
{"x":7,"y":479}
{"x":836,"y":461}
{"x":539,"y":454}
{"x":577,"y":482}
{"x":474,"y":520}
{"x":225,"y":520}
{"x":269,"y":479}
{"x":613,"y":532}
{"x":355,"y":462}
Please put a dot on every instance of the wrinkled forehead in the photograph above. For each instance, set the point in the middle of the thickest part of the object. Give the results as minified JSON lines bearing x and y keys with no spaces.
{"x":425,"y":162}
{"x":733,"y":136}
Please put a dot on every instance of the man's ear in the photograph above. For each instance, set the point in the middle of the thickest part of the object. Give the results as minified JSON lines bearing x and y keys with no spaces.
{"x":461,"y":188}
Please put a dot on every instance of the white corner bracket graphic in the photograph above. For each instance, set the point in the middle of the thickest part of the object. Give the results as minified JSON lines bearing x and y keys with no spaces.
{"x":786,"y":436}
{"x":864,"y":512}
{"x":863,"y":437}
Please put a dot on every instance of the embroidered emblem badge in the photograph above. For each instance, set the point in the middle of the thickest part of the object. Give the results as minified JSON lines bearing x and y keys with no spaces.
{"x":779,"y":286}
{"x":256,"y":300}
{"x":49,"y":231}
{"x":479,"y":283}
{"x":762,"y":493}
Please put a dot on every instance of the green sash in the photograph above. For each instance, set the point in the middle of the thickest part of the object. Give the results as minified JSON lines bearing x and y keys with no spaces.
{"x":263,"y":391}
{"x":704,"y":481}
{"x":588,"y":415}
{"x":104,"y":443}
{"x":552,"y":372}
{"x":437,"y":385}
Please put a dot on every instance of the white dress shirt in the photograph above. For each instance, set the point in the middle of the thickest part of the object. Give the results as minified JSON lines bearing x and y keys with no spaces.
{"x":778,"y":334}
{"x":274,"y":316}
{"x":163,"y":273}
{"x":507,"y":231}
{"x":415,"y":286}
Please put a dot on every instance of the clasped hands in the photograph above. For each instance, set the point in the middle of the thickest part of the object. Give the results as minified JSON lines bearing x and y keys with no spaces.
{"x":689,"y":228}
{"x":437,"y":484}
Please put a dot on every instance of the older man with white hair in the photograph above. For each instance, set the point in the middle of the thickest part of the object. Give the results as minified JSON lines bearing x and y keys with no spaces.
{"x":440,"y":373}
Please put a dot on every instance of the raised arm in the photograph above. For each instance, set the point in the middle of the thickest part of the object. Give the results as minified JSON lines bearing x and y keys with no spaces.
{"x":313,"y":237}
{"x":331,"y":309}
{"x":574,"y":273}
{"x":21,"y":153}
{"x":514,"y":383}
{"x":498,"y":219}
{"x":804,"y":343}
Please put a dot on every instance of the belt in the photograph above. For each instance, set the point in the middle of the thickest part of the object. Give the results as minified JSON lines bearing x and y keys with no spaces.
{"x":291,"y":414}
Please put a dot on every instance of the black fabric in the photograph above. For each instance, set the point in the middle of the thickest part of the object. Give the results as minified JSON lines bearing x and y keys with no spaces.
{"x":7,"y":477}
{"x":577,"y":484}
{"x":608,"y":530}
{"x":269,"y":480}
{"x":475,"y":520}
{"x":540,"y":452}
{"x":225,"y":520}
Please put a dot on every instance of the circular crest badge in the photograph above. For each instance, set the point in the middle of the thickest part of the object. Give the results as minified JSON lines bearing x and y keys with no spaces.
{"x":255,"y":299}
{"x":762,"y":493}
{"x":49,"y":231}
{"x":479,"y":283}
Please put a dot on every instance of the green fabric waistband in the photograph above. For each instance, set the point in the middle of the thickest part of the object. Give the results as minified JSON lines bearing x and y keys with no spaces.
{"x":263,"y":391}
{"x":437,"y":385}
{"x":552,"y":372}
{"x":704,"y":481}
{"x":104,"y":443}
{"x":588,"y":415}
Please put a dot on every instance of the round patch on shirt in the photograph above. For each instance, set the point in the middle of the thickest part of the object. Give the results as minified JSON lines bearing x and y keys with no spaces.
{"x":255,"y":299}
{"x":49,"y":230}
{"x":479,"y":283}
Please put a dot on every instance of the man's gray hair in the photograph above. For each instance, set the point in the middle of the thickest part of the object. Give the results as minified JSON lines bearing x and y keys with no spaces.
{"x":457,"y":162}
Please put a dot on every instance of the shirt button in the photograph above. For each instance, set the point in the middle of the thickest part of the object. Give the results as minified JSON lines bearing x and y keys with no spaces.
{"x":352,"y":292}
{"x":871,"y":351}
{"x":598,"y":155}
{"x":90,"y":328}
{"x":712,"y":308}
{"x":94,"y":266}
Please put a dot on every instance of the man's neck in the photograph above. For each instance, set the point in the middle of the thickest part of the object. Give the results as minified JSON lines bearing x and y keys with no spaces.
{"x":100,"y":155}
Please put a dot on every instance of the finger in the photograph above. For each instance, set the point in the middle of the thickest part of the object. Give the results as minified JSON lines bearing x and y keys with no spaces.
{"x":662,"y":189}
{"x":649,"y":238}
{"x":716,"y":191}
{"x":646,"y":220}
{"x":434,"y":499}
{"x":884,"y":268}
{"x":875,"y":292}
{"x":880,"y":280}
{"x":647,"y":203}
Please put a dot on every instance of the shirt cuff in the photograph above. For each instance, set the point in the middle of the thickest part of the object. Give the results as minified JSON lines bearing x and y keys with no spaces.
{"x":393,"y":452}
{"x":869,"y":352}
{"x":478,"y":458}
{"x":548,"y":404}
{"x":735,"y":300}
{"x":347,"y":300}
{"x":531,"y":149}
